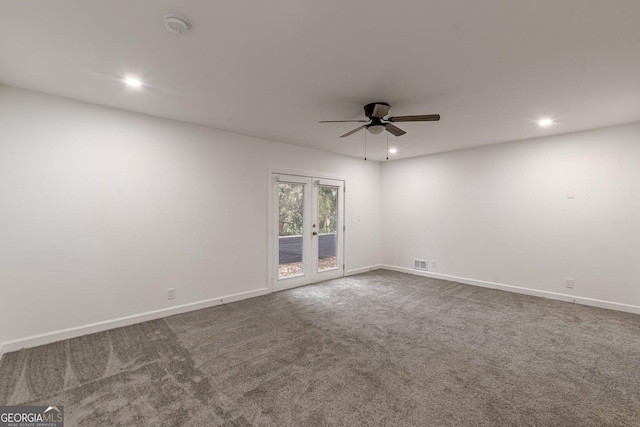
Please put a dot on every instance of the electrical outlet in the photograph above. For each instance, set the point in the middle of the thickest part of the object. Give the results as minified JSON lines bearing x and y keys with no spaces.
{"x":433,"y":263}
{"x":569,"y":283}
{"x":171,"y":293}
{"x":571,"y":193}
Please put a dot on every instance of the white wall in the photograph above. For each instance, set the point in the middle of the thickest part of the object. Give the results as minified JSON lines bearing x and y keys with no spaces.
{"x":104,"y":210}
{"x":1,"y":327}
{"x":498,"y":216}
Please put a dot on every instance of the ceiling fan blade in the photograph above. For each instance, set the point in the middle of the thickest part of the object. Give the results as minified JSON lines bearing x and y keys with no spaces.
{"x":423,"y":118}
{"x":352,"y":132}
{"x":394,"y":130}
{"x":343,"y":121}
{"x":380,"y":110}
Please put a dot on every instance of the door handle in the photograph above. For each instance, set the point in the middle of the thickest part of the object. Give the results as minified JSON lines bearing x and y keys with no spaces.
{"x":315,"y":233}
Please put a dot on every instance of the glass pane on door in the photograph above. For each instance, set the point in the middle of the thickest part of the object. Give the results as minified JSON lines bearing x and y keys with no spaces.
{"x":327,"y":227}
{"x":291,"y":226}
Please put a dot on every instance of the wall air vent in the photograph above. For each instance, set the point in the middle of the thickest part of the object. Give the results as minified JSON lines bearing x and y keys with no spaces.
{"x":420,"y":264}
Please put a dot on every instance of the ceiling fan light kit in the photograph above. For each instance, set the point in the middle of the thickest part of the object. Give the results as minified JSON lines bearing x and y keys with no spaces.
{"x":376,"y":111}
{"x":375,"y":129}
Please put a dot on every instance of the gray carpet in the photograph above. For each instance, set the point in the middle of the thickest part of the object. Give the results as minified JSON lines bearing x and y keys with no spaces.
{"x":380,"y":348}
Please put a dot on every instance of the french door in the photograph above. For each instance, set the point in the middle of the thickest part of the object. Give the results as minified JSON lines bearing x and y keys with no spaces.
{"x":308,"y":237}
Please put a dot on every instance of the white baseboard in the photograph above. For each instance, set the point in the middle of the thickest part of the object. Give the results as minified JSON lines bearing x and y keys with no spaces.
{"x":521,"y":290}
{"x":49,"y":337}
{"x":46,"y":338}
{"x":363,"y":269}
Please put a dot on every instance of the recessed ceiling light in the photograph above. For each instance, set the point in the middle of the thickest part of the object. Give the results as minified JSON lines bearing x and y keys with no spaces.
{"x":133,"y":82}
{"x":393,"y":150}
{"x":545,"y":122}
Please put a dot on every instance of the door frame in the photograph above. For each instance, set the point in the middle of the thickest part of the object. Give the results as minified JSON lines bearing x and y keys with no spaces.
{"x":272,"y":214}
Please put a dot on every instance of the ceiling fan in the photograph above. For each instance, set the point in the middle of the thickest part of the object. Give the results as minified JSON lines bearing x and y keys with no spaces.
{"x":377,"y":123}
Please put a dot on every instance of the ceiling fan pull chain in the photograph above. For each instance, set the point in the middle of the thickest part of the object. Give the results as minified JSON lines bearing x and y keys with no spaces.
{"x":365,"y":145}
{"x":387,"y":145}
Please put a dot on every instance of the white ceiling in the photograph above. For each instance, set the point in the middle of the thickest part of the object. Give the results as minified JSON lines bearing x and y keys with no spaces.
{"x":272,"y":69}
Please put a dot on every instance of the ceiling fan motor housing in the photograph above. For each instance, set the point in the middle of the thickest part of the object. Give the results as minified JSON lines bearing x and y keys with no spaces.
{"x":370,"y":108}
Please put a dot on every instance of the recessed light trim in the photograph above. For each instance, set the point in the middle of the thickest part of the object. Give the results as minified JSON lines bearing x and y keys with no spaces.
{"x":132,"y":82}
{"x":543,"y":123}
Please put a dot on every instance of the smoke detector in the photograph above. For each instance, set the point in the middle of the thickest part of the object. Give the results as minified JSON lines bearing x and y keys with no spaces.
{"x":176,"y":24}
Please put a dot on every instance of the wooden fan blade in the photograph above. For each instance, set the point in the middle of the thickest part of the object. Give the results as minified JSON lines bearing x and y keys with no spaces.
{"x":343,"y":121}
{"x":394,"y":130}
{"x":352,"y":132}
{"x":423,"y":118}
{"x":380,"y":110}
